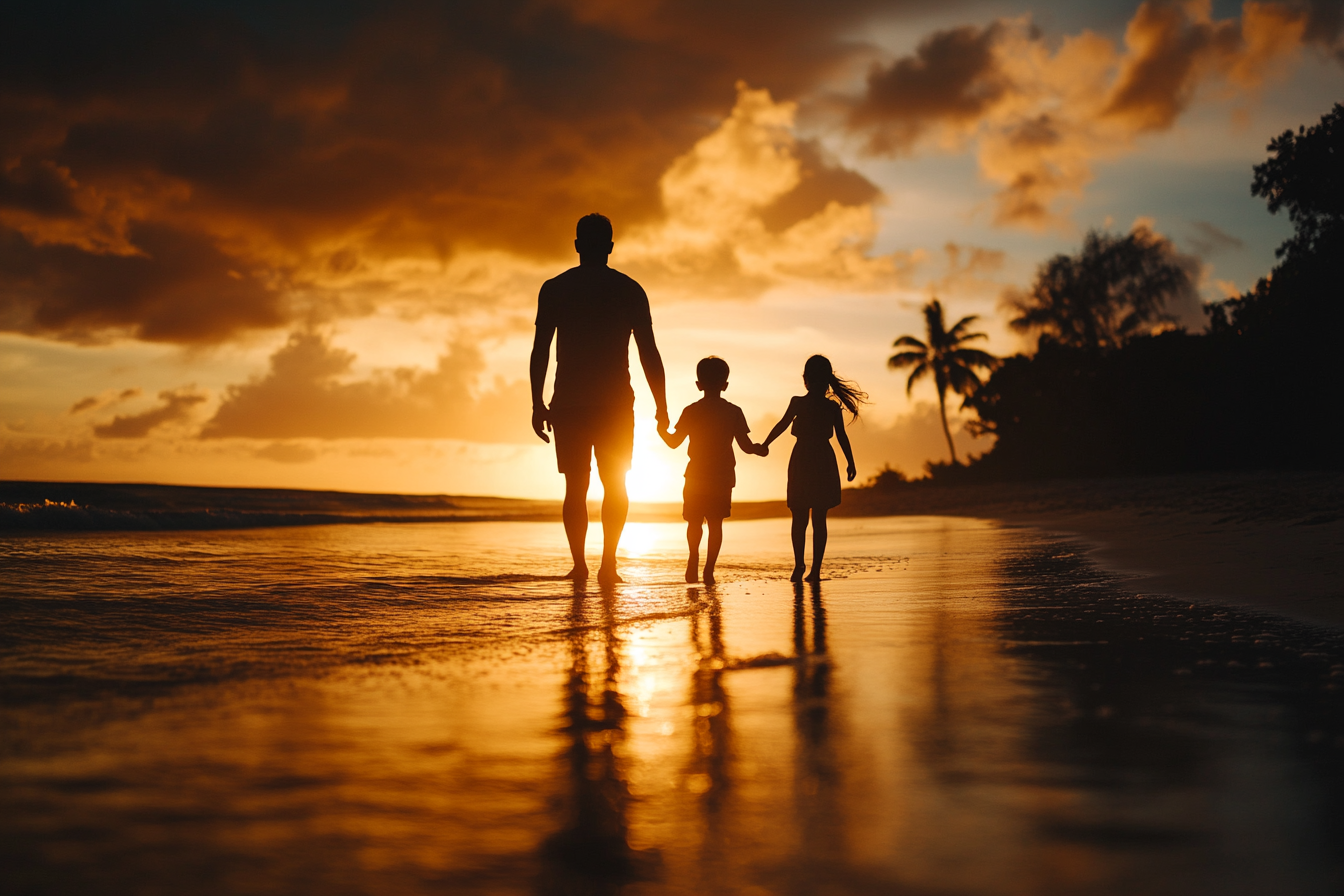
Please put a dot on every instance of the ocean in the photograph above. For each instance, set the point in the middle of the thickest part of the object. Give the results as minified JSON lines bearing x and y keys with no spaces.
{"x":424,"y":707}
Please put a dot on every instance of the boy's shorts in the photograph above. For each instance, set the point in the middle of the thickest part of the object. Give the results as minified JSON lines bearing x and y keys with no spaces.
{"x":581,"y":433}
{"x":714,"y":502}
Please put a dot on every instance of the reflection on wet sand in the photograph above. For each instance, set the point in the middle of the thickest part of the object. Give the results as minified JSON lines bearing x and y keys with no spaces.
{"x":963,"y":709}
{"x":592,"y":852}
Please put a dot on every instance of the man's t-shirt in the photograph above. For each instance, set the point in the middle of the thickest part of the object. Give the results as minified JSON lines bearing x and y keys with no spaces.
{"x":594,"y":309}
{"x":712,"y":424}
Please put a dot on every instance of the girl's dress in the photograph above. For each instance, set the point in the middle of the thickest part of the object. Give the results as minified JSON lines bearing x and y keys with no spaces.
{"x":814,"y":477}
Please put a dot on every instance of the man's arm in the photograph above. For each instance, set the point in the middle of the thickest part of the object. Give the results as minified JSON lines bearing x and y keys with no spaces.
{"x":652,"y":362}
{"x":541,"y":359}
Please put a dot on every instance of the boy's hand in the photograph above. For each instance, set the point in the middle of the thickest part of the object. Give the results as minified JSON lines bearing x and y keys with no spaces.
{"x":851,"y":472}
{"x":763,"y":450}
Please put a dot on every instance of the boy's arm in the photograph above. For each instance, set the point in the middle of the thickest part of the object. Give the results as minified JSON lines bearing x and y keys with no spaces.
{"x":843,"y":438}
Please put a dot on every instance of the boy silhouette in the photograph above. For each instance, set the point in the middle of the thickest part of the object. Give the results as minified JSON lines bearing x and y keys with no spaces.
{"x":712,"y":424}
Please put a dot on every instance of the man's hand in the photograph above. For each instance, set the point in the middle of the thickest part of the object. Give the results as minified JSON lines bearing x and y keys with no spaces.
{"x":762,"y":450}
{"x":541,"y":422}
{"x":663,"y":420}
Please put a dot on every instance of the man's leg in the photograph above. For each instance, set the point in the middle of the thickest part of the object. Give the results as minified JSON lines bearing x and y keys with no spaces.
{"x":615,"y":508}
{"x":715,"y":526}
{"x":693,"y":533}
{"x":575,"y":515}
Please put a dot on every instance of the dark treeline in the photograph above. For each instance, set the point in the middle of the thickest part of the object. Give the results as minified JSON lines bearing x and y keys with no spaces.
{"x":1108,"y":392}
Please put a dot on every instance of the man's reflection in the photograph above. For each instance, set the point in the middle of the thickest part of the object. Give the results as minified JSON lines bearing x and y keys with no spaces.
{"x":592,"y":850}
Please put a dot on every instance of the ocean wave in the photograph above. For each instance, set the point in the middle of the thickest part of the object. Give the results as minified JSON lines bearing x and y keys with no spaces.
{"x":51,"y":516}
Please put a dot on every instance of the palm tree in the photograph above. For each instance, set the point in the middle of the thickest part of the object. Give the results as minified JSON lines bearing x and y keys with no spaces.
{"x":946,"y":357}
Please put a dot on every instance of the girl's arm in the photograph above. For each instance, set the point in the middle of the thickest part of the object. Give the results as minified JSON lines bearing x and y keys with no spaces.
{"x":782,"y":425}
{"x":843,"y":438}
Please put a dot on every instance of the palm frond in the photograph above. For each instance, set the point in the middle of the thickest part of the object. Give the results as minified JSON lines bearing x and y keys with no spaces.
{"x":911,"y":341}
{"x":915,"y":374}
{"x":905,"y":359}
{"x":973,"y":357}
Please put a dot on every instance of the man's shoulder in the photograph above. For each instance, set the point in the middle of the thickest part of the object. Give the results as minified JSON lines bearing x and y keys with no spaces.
{"x":582,"y":277}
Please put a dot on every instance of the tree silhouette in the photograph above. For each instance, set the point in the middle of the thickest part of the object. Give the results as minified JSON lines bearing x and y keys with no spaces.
{"x":1116,"y":288}
{"x":945,"y":356}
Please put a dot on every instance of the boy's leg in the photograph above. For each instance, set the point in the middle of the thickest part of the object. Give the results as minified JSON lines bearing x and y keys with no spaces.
{"x":715,"y":526}
{"x":799,"y":534}
{"x":693,"y":556}
{"x":819,"y":534}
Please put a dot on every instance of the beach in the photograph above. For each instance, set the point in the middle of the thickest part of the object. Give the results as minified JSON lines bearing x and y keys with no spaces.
{"x":963,"y":706}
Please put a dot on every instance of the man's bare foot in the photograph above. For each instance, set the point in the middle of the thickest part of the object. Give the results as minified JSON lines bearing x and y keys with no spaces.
{"x":813,"y":576}
{"x":607,"y":576}
{"x":709,"y":575}
{"x":691,"y":565}
{"x":579,"y":573}
{"x":797,"y":575}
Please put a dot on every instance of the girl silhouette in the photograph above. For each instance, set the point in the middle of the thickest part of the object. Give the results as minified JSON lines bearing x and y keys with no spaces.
{"x":814,"y":481}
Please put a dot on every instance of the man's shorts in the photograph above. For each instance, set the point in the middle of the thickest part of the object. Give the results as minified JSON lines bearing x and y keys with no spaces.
{"x":581,"y":433}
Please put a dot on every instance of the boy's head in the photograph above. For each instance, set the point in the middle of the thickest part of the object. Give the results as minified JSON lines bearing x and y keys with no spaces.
{"x":712,"y":374}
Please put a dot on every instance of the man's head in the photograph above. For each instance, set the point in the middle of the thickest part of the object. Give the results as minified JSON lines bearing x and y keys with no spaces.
{"x":711,"y":374}
{"x":592,"y":236}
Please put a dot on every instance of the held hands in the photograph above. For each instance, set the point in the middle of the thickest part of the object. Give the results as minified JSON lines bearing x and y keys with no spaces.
{"x":660,"y":415}
{"x":761,"y":450}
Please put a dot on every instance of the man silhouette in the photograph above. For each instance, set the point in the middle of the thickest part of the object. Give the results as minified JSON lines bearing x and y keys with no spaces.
{"x":592,"y":310}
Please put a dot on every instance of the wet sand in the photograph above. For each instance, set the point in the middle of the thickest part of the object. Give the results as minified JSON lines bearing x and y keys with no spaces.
{"x":963,"y":707}
{"x":1270,"y":541}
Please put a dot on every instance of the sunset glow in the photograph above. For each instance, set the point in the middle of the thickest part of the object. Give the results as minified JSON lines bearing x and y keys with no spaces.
{"x":324,"y":274}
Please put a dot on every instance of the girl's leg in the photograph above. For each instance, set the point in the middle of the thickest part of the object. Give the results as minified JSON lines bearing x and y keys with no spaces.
{"x":712,"y":549}
{"x":819,"y":534}
{"x":693,"y":543}
{"x":799,"y":533}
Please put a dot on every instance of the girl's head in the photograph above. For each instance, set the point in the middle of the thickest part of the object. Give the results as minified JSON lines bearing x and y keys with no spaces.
{"x":820,"y":379}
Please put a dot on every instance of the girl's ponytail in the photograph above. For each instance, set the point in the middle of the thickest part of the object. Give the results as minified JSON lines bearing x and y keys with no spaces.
{"x":847,"y":392}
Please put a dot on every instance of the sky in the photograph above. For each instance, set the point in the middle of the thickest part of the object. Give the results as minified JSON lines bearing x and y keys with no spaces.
{"x":299,"y":244}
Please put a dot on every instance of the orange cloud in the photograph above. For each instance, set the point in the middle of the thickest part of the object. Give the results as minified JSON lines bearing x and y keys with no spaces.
{"x":309,"y":393}
{"x":1040,"y":116}
{"x":175,"y":406}
{"x":186,"y":177}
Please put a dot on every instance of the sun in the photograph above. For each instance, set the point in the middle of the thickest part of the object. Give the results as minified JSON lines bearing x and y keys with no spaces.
{"x":656,"y":470}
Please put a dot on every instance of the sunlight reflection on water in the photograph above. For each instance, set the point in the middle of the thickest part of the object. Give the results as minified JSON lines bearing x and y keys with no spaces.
{"x":963,"y":708}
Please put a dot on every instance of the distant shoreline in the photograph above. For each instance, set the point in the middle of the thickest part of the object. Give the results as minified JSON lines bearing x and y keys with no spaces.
{"x":1272,"y":541}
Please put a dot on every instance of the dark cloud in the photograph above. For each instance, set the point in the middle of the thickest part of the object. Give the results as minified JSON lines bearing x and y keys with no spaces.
{"x":953,"y":76}
{"x":307,"y":393}
{"x":111,"y":396}
{"x":821,"y":182}
{"x":174,"y":405}
{"x":1209,"y":239}
{"x":39,"y":186}
{"x":268,"y":135}
{"x":180,"y":287}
